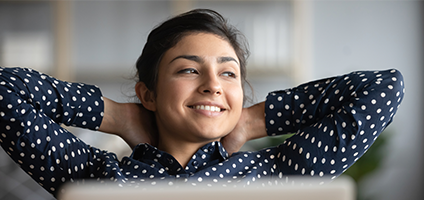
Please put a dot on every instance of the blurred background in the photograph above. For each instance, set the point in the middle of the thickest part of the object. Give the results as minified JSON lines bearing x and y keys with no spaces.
{"x":291,"y":41}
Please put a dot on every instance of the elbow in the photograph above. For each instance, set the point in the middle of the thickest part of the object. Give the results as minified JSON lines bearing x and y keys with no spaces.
{"x":396,"y":85}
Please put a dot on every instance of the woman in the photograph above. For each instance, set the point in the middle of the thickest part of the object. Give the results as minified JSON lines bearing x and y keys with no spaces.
{"x":192,"y":121}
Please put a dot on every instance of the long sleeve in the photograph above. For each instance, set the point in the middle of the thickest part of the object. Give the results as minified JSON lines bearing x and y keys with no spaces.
{"x":33,"y":106}
{"x":335,"y":120}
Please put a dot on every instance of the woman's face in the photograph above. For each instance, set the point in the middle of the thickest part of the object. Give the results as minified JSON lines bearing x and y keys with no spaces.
{"x":199,"y":95}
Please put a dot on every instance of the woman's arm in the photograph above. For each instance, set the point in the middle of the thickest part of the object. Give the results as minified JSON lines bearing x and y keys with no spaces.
{"x":335,"y":120}
{"x":132,"y":122}
{"x":32,"y":108}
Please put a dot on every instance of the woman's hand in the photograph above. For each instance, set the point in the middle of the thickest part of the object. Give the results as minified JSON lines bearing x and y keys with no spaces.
{"x":251,"y":125}
{"x":130,"y":121}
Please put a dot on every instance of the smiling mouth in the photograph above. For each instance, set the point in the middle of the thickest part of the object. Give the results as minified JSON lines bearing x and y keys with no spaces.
{"x":208,"y":108}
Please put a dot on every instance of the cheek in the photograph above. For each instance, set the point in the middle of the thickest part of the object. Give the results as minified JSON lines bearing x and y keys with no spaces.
{"x":171,"y":91}
{"x":235,"y":95}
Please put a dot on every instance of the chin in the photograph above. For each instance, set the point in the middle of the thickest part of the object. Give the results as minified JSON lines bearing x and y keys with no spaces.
{"x":213,"y":136}
{"x":207,"y":132}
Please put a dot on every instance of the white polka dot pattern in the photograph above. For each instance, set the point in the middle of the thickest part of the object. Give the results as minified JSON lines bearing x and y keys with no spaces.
{"x":335,"y":120}
{"x":33,"y":105}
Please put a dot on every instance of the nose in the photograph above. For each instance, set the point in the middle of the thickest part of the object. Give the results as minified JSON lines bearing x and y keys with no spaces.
{"x":210,"y":85}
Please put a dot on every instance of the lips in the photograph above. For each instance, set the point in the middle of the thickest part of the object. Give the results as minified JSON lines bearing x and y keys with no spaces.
{"x":212,"y":108}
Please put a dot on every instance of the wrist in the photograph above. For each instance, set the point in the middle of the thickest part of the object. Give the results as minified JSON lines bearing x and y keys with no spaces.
{"x":256,"y":121}
{"x":110,"y":122}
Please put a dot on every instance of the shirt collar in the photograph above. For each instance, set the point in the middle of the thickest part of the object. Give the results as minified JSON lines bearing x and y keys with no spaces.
{"x":210,"y":154}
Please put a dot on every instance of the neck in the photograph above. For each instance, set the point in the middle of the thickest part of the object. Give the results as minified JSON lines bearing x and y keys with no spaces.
{"x":182,"y":151}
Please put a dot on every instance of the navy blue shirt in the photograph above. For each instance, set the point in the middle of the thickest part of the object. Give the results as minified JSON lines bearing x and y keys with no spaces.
{"x":334,"y":121}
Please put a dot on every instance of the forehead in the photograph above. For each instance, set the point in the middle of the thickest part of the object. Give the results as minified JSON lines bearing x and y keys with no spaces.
{"x":201,"y":44}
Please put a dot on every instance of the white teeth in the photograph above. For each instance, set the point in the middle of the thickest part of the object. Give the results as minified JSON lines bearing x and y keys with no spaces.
{"x":209,"y":108}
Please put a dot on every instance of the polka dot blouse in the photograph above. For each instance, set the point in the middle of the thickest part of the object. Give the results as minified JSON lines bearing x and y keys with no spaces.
{"x":334,"y":121}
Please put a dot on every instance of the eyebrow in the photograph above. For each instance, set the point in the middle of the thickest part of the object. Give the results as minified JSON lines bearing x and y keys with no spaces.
{"x":198,"y":59}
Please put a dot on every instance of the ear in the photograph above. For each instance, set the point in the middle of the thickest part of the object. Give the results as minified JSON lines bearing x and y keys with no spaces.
{"x":146,"y":97}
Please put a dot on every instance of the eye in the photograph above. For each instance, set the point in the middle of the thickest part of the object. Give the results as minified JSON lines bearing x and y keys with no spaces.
{"x":230,"y":74}
{"x":188,"y":71}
